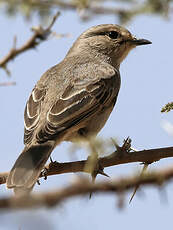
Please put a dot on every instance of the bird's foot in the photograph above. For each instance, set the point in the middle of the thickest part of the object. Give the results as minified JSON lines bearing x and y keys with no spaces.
{"x":94,"y":167}
{"x":44,"y":173}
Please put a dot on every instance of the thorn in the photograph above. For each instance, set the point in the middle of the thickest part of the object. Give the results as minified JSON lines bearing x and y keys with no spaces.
{"x":38,"y":182}
{"x":51,"y":159}
{"x":103,"y":173}
{"x":90,"y":195}
{"x":7,"y":70}
{"x":134,"y":192}
{"x":136,"y":188}
{"x":53,"y":20}
{"x":127,"y":144}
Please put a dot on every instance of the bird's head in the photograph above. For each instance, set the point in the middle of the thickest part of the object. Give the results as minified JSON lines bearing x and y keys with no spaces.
{"x":109,"y":40}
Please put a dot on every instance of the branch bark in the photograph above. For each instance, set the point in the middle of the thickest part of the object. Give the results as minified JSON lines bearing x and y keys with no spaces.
{"x":84,"y":187}
{"x":121,"y":156}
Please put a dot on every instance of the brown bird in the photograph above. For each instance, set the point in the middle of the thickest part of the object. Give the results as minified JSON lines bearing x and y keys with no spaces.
{"x":73,"y":99}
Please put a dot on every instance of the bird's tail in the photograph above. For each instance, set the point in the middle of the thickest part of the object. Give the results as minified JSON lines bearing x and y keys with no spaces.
{"x":28,"y":166}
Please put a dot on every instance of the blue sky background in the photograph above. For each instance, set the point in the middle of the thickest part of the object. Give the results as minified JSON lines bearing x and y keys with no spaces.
{"x":146,"y":86}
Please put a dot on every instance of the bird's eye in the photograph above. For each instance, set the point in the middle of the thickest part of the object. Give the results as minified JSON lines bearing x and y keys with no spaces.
{"x":113,"y":34}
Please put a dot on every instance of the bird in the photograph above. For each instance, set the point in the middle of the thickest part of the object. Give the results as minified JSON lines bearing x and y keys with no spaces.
{"x":72,"y":100}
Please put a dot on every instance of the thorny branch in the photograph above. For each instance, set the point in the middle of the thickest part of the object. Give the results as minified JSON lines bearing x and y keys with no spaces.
{"x":39,"y":35}
{"x":121,"y":156}
{"x":86,"y":9}
{"x":83,"y":187}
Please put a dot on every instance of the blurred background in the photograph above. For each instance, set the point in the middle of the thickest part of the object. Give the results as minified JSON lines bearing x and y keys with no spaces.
{"x":146,"y":86}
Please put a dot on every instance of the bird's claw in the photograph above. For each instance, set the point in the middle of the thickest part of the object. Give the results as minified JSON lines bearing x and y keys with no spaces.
{"x":96,"y":169}
{"x":44,"y":173}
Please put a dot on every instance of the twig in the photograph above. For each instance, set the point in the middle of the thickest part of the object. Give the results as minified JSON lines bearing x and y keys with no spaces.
{"x":39,"y":35}
{"x":93,"y":7}
{"x":84,"y":187}
{"x":147,"y":156}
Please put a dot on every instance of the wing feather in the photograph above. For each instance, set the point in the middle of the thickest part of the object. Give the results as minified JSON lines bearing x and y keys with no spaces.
{"x":32,"y":112}
{"x":81,"y":98}
{"x":74,"y":106}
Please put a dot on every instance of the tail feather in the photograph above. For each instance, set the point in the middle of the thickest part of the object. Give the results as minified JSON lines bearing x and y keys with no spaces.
{"x":28,"y":166}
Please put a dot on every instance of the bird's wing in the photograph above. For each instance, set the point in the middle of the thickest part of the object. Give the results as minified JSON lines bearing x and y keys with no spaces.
{"x":32,"y":112}
{"x":79,"y":100}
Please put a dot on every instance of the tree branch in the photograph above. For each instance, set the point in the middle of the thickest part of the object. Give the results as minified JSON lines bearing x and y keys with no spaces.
{"x":87,"y":9}
{"x":121,"y":156}
{"x":84,"y":187}
{"x":39,"y":35}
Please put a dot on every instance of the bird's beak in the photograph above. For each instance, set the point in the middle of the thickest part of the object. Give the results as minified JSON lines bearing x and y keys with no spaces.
{"x":139,"y":42}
